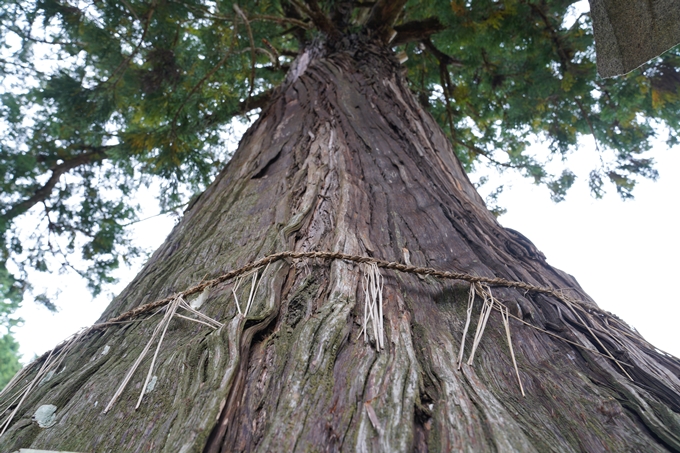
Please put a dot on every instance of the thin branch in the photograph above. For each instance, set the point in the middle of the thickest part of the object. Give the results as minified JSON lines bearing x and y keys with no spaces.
{"x":293,"y":11}
{"x":417,"y":30}
{"x":266,"y":53}
{"x":447,"y":86}
{"x":312,"y":9}
{"x":127,"y":5}
{"x":253,"y":58}
{"x":19,"y":32}
{"x":274,"y":52}
{"x":590,"y":124}
{"x":383,"y":16}
{"x":45,"y":191}
{"x":441,"y":57}
{"x":565,"y":61}
{"x":480,"y":152}
{"x":122,"y":67}
{"x":281,"y":20}
{"x":204,"y":78}
{"x":164,"y":212}
{"x":258,"y":101}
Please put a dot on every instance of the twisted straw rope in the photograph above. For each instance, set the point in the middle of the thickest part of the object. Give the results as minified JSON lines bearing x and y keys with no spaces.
{"x":128,"y":315}
{"x":64,"y":347}
{"x":354,"y":258}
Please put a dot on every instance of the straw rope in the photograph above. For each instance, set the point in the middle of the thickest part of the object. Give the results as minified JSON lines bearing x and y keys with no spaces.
{"x":357,"y":259}
{"x":572,"y":303}
{"x":129,"y":315}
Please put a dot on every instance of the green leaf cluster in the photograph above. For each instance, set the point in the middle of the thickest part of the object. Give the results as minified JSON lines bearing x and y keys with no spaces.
{"x":100,"y":99}
{"x":9,"y":359}
{"x":522,"y":70}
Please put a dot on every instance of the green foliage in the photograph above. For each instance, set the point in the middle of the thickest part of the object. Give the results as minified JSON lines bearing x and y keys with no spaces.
{"x":103,"y":98}
{"x":520,"y":73}
{"x":9,"y":359}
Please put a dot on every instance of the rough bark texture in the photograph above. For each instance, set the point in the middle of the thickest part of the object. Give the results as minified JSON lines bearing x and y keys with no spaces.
{"x":628,"y":34}
{"x":345,"y":159}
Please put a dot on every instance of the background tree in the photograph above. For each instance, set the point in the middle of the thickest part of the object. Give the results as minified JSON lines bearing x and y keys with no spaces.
{"x":145,"y":89}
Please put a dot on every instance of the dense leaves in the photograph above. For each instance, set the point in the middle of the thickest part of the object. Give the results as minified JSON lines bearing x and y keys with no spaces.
{"x":100,"y":99}
{"x":521,"y":70}
{"x":9,"y":362}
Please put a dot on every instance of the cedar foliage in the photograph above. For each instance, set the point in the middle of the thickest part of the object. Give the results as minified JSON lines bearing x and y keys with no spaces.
{"x":102,"y":98}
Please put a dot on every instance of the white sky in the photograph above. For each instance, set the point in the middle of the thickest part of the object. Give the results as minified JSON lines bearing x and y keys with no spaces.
{"x":624,"y":254}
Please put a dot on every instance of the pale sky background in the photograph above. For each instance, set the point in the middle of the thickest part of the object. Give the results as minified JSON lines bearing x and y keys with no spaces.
{"x":624,"y":254}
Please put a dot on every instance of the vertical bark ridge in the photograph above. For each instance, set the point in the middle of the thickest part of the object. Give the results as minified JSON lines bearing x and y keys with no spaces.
{"x":346,"y":160}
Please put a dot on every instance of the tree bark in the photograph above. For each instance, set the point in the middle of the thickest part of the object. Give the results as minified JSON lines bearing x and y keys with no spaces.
{"x":344,"y":159}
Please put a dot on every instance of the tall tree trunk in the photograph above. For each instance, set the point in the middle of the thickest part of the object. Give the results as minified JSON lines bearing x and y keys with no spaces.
{"x":345,"y":160}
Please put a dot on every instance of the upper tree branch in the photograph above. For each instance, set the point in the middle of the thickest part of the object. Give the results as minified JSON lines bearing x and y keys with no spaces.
{"x":442,"y":58}
{"x":41,"y":194}
{"x":292,"y":11}
{"x":417,"y":30}
{"x":253,"y":60}
{"x":383,"y":15}
{"x":341,"y":13}
{"x":312,"y":9}
{"x":565,"y":59}
{"x":258,"y":101}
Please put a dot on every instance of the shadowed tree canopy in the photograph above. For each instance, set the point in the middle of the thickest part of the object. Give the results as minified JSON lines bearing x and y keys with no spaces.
{"x":355,"y":170}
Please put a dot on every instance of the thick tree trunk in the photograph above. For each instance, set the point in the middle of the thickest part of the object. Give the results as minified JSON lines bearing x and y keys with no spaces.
{"x":345,"y":160}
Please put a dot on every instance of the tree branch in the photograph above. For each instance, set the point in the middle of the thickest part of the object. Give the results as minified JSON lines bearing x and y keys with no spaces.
{"x":565,"y":59}
{"x":383,"y":15}
{"x":256,"y":102}
{"x":320,"y":19}
{"x":292,"y":11}
{"x":209,"y":74}
{"x":480,"y":152}
{"x":417,"y":30}
{"x":281,"y":20}
{"x":41,"y":194}
{"x":443,"y":58}
{"x":253,"y":59}
{"x":122,"y":67}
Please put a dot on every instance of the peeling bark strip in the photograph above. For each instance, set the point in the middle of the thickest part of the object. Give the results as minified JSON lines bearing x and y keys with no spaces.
{"x":344,"y":159}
